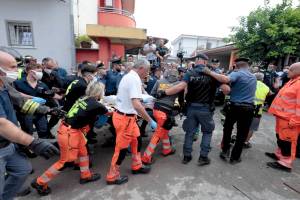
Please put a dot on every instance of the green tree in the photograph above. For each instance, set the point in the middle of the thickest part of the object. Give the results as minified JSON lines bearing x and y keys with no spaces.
{"x":269,"y":34}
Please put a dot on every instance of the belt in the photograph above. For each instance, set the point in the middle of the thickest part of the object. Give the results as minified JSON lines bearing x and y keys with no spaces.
{"x":128,"y":115}
{"x":66,"y":124}
{"x":242,"y":104}
{"x":198,"y":104}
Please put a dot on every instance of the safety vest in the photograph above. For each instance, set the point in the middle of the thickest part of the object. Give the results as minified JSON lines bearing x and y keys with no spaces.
{"x":20,"y":73}
{"x":286,"y":105}
{"x":262,"y":91}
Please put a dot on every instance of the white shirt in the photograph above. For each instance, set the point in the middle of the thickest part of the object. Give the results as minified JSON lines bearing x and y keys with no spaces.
{"x":151,"y":55}
{"x":130,"y":88}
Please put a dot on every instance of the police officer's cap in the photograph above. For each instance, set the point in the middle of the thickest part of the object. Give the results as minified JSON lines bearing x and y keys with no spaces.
{"x":181,"y":69}
{"x":200,"y":56}
{"x":116,"y":61}
{"x":214,"y":60}
{"x":88,"y":68}
{"x":247,"y":60}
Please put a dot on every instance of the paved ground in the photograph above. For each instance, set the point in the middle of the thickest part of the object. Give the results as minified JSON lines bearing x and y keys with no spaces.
{"x":169,"y":179}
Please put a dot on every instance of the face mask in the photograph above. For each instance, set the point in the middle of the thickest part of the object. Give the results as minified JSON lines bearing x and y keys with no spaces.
{"x":38,"y":75}
{"x":10,"y":74}
{"x":48,"y":71}
{"x":118,"y":70}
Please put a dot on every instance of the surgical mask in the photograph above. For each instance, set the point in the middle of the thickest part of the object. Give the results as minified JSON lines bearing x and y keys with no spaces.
{"x":10,"y":74}
{"x":38,"y":75}
{"x":48,"y":71}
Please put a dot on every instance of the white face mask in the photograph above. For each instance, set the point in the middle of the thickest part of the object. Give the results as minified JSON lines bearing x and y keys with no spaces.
{"x":10,"y":74}
{"x":48,"y":71}
{"x":38,"y":75}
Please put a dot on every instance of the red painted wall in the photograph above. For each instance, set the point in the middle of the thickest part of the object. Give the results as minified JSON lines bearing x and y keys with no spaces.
{"x":87,"y":54}
{"x":104,"y":50}
{"x":113,"y":19}
{"x":117,"y":49}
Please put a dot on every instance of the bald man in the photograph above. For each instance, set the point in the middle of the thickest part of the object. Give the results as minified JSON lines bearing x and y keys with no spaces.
{"x":286,"y":109}
{"x":12,"y":163}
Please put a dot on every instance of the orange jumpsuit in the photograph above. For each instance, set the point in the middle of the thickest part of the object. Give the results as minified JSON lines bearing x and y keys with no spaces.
{"x":127,"y":132}
{"x":159,"y":134}
{"x":286,"y":109}
{"x":72,"y":148}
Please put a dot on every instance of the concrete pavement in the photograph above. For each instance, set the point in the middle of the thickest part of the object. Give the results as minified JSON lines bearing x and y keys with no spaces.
{"x":171,"y":180}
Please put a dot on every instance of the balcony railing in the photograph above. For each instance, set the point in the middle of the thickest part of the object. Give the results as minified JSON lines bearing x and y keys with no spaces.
{"x":116,"y":11}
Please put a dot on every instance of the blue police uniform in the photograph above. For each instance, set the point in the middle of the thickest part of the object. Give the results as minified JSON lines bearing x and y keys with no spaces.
{"x":241,"y":111}
{"x":112,"y":80}
{"x":200,"y":98}
{"x":39,"y":120}
{"x":10,"y":159}
{"x":151,"y":83}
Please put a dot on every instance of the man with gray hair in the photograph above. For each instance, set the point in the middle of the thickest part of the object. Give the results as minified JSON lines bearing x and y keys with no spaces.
{"x":262,"y":91}
{"x":128,"y":106}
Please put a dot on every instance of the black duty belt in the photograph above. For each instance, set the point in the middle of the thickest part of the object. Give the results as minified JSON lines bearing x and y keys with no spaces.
{"x":245,"y":104}
{"x":128,"y":115}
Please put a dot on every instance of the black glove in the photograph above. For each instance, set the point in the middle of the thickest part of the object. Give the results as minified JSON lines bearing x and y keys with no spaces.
{"x":57,"y":111}
{"x":161,"y":94}
{"x":43,"y":148}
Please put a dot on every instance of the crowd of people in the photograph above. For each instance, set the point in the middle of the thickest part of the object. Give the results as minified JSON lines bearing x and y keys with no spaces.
{"x":37,"y":97}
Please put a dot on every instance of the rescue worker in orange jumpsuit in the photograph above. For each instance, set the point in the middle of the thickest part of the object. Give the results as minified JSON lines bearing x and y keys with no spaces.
{"x":72,"y":138}
{"x":128,"y":105}
{"x":286,"y":109}
{"x":163,"y":114}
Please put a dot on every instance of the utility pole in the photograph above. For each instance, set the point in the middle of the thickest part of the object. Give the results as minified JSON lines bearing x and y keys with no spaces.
{"x":78,"y":18}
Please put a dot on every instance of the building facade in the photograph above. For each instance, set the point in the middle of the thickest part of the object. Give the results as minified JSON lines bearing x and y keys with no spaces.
{"x":41,"y":28}
{"x":190,"y":43}
{"x":115,"y":31}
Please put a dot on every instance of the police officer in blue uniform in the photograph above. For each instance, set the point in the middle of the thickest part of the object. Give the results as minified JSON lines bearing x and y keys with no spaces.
{"x":113,"y":77}
{"x":200,"y":108}
{"x":241,"y":109}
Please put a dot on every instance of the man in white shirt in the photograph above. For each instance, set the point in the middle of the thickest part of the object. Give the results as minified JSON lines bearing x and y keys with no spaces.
{"x":150,"y":49}
{"x":128,"y":106}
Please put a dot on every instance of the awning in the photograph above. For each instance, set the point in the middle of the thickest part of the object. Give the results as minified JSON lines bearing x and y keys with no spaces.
{"x":130,"y":37}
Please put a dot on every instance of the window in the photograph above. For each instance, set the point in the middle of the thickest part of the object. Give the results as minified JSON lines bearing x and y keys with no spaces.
{"x":208,"y":45}
{"x":20,"y":33}
{"x":108,"y":3}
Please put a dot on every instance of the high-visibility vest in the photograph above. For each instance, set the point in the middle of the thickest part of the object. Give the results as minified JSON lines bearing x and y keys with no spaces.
{"x":20,"y":73}
{"x":286,"y":104}
{"x":262,"y":91}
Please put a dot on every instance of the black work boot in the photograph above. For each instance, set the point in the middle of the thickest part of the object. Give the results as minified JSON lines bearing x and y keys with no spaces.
{"x":234,"y":161}
{"x":224,"y":155}
{"x":119,"y":181}
{"x":93,"y":178}
{"x":26,"y":191}
{"x":43,"y":190}
{"x":186,"y":159}
{"x":145,"y":169}
{"x":203,"y":161}
{"x":276,"y":165}
{"x":271,"y":155}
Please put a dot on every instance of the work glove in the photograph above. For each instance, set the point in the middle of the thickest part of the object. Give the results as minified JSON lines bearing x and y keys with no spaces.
{"x":161,"y":94}
{"x":43,"y":148}
{"x":38,"y":100}
{"x":153,"y":124}
{"x":57,"y":111}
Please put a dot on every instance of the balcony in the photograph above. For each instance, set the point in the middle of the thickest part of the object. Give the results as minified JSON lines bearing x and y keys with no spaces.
{"x":110,"y":16}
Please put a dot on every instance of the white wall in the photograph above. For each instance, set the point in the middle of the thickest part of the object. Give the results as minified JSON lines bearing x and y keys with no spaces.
{"x":53,"y":31}
{"x":189,"y":44}
{"x":85,"y":12}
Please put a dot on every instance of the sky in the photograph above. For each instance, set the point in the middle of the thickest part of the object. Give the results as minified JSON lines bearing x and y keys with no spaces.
{"x":170,"y":18}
